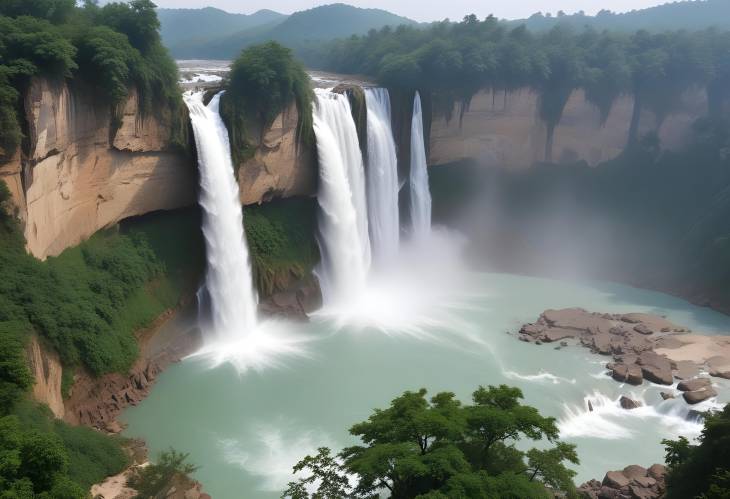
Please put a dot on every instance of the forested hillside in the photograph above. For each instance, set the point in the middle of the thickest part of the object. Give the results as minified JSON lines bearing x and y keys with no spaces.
{"x":301,"y":31}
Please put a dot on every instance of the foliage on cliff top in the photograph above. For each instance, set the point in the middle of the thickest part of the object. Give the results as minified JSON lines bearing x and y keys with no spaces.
{"x":442,"y":448}
{"x":113,"y":48}
{"x":264,"y":80}
{"x":455,"y":60}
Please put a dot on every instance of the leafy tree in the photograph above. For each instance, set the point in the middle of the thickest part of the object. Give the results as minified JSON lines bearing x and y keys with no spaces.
{"x":56,"y":11}
{"x":439,"y":447}
{"x":153,"y":479}
{"x":701,"y":470}
{"x":15,"y":377}
{"x":264,"y":80}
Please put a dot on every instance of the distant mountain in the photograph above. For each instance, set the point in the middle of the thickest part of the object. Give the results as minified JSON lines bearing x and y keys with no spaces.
{"x":191,"y":27}
{"x":688,"y":15}
{"x":297,"y":31}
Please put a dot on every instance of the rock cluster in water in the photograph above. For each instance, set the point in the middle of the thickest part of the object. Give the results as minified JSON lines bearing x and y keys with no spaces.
{"x":643,"y":347}
{"x":632,"y":482}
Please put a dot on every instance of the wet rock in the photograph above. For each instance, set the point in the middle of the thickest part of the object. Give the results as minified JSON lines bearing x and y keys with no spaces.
{"x":697,"y":396}
{"x":719,"y":374}
{"x":692,"y":385}
{"x":627,"y":403}
{"x":666,"y":396}
{"x":656,"y":368}
{"x":615,"y":480}
{"x":630,"y":374}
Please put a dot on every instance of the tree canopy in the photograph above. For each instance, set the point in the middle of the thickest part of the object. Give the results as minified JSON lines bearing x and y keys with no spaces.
{"x":113,"y":48}
{"x":439,"y":447}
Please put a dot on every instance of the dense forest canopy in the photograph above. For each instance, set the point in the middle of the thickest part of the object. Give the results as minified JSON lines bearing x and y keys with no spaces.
{"x":112,"y":48}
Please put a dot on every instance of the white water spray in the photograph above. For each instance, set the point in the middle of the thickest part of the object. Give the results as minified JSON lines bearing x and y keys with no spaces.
{"x":420,"y":193}
{"x":228,"y":277}
{"x":382,"y":175}
{"x":343,"y":225}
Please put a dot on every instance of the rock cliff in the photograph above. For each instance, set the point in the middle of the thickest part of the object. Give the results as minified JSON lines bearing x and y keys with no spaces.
{"x":506,"y":131}
{"x":75,"y":175}
{"x":280,"y":167}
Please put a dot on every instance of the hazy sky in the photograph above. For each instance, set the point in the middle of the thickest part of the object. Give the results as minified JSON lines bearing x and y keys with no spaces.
{"x":427,"y":10}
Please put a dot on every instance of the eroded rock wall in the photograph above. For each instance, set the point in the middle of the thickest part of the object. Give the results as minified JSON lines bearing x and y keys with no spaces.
{"x":281,"y":167}
{"x":506,"y":131}
{"x":75,"y":176}
{"x":47,"y":373}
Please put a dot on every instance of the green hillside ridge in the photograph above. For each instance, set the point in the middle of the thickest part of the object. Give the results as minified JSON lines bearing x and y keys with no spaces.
{"x":297,"y":31}
{"x":182,"y":28}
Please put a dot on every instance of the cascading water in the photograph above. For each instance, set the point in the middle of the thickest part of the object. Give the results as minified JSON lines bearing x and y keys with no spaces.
{"x":420,"y":193}
{"x":343,"y":225}
{"x":231,"y":297}
{"x":382,"y":177}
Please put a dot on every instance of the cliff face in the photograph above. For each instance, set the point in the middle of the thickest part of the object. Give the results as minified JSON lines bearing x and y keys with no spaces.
{"x":75,"y":177}
{"x":506,"y":131}
{"x":46,"y":368}
{"x":279,"y":168}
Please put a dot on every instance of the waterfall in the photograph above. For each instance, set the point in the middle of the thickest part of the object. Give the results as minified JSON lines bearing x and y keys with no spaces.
{"x":420,"y":193}
{"x":343,"y":225}
{"x":228,"y":280}
{"x":382,"y":177}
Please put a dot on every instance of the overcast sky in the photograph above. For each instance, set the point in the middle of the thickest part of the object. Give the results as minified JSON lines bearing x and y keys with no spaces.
{"x":427,"y":10}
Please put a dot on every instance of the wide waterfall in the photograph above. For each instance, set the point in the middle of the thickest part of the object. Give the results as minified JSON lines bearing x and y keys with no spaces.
{"x":382,"y":176}
{"x":343,"y":225}
{"x":228,"y":279}
{"x":420,"y":193}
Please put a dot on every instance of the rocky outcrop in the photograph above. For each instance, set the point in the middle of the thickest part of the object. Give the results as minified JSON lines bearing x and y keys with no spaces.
{"x":281,"y":166}
{"x":644,"y":347}
{"x":97,"y":401}
{"x":504,"y":130}
{"x":633,"y":482}
{"x":76,"y":175}
{"x":47,"y":372}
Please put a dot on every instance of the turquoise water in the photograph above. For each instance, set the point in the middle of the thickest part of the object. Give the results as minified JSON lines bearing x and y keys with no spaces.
{"x":246,"y":429}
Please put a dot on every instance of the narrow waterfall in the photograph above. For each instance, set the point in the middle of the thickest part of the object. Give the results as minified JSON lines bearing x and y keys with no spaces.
{"x":420,"y":193}
{"x":228,"y":279}
{"x":382,"y":176}
{"x":343,"y":225}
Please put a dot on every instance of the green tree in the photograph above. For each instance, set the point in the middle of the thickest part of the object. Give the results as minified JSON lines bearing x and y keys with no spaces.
{"x":701,"y":470}
{"x":438,"y":447}
{"x":151,"y":480}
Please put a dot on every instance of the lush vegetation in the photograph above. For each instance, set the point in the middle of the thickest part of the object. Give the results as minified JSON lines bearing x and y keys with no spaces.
{"x":87,"y":302}
{"x":442,"y":448}
{"x":42,"y":457}
{"x":280,"y":236}
{"x":264,"y":80}
{"x":156,"y":478}
{"x":110,"y":48}
{"x":452,"y":61}
{"x":702,"y":470}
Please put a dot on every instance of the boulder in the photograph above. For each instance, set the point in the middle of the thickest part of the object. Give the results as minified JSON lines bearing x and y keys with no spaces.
{"x":630,"y":374}
{"x":666,"y":396}
{"x":633,"y":471}
{"x":627,"y":403}
{"x":639,"y":492}
{"x":697,"y":396}
{"x":657,"y":471}
{"x":692,"y":385}
{"x":720,"y":374}
{"x":642,"y":329}
{"x":615,"y":480}
{"x":656,"y":368}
